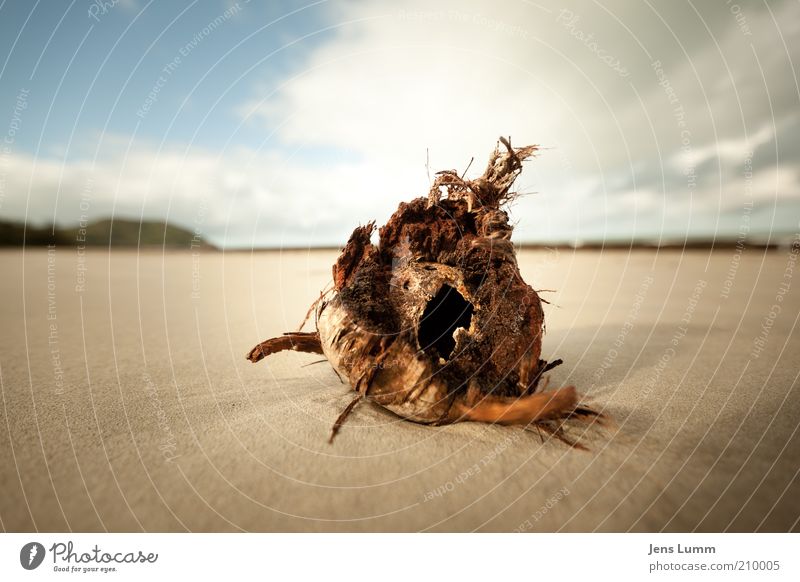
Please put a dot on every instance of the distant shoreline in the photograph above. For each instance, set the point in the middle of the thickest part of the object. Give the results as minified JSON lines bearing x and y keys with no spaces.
{"x":693,"y":246}
{"x":133,"y":234}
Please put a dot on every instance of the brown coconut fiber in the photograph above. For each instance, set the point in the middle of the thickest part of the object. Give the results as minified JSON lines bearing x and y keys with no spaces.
{"x":435,"y":323}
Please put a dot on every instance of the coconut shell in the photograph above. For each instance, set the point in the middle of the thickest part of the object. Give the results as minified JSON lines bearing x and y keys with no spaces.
{"x":435,"y":322}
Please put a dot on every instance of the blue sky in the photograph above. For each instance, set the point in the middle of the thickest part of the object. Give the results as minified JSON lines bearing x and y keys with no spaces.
{"x":96,"y":72}
{"x":288,"y":123}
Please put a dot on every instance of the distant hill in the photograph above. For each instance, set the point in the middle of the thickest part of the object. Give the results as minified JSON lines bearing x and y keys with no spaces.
{"x":101,"y":233}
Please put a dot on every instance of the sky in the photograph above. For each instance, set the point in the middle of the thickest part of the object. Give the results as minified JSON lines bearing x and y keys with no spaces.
{"x":287,"y":124}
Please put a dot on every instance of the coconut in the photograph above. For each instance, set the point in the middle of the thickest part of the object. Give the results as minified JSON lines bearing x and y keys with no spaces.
{"x":435,"y":323}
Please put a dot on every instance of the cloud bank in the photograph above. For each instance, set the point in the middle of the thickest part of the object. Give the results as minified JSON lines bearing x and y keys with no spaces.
{"x":656,"y":122}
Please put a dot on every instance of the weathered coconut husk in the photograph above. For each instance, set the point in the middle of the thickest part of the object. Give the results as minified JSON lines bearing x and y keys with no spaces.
{"x":435,"y":322}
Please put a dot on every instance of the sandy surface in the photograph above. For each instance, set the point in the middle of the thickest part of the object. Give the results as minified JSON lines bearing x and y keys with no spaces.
{"x":127,"y":403}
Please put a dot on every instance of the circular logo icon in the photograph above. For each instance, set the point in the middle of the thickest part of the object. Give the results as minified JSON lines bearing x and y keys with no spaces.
{"x":31,"y":555}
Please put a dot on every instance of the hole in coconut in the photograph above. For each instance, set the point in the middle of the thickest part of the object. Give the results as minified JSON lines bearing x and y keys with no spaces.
{"x":443,"y":314}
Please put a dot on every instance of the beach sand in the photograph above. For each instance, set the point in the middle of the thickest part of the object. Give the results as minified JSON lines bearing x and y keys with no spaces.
{"x":128,"y":405}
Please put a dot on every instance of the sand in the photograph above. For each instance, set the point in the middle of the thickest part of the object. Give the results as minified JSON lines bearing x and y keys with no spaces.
{"x":128,"y":405}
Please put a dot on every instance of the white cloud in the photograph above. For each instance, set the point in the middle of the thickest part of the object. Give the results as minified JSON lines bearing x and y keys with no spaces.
{"x":397,"y":80}
{"x":776,"y":184}
{"x":734,"y":150}
{"x":247,"y":197}
{"x":393,"y":82}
